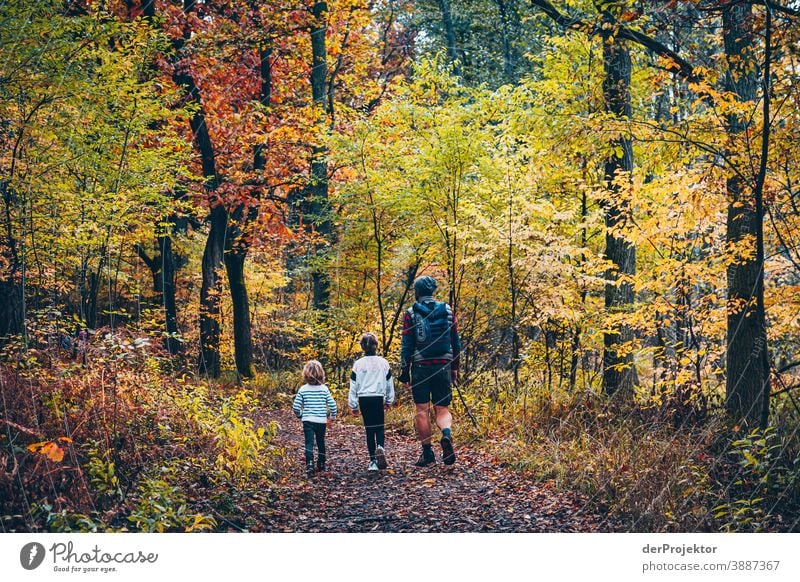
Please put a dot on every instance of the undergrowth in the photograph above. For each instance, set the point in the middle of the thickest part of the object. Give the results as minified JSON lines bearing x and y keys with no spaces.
{"x":648,"y":468}
{"x":124,"y":443}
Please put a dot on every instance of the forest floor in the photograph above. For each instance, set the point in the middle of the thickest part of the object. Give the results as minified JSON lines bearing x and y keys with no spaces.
{"x":478,"y":494}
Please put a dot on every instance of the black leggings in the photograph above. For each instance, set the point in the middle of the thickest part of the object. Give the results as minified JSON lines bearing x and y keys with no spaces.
{"x":313,"y":430}
{"x":372,"y":413}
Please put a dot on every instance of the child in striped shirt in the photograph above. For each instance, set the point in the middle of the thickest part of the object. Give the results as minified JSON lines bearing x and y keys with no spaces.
{"x":315,"y":406}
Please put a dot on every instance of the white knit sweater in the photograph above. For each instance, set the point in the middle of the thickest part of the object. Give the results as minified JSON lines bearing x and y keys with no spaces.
{"x":372,"y":376}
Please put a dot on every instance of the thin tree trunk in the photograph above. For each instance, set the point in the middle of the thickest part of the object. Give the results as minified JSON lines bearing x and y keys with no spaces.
{"x":319,"y":164}
{"x":747,"y":384}
{"x":509,"y":71}
{"x":513,"y":292}
{"x":162,"y":270}
{"x":213,"y":254}
{"x":576,"y":334}
{"x":450,"y":36}
{"x":242,"y":334}
{"x":171,"y":342}
{"x":411,"y":274}
{"x":12,"y":319}
{"x":94,"y":290}
{"x":618,"y":368}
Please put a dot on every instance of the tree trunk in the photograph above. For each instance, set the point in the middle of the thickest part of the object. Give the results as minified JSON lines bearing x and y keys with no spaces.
{"x":576,"y":333}
{"x":509,"y":67}
{"x":618,"y":368}
{"x":171,"y":342}
{"x":318,"y":189}
{"x":213,"y":254}
{"x":239,"y":240}
{"x":242,"y":335}
{"x":162,"y":269}
{"x":513,"y":291}
{"x":450,"y":36}
{"x":747,"y":384}
{"x":12,"y":314}
{"x":90,"y":303}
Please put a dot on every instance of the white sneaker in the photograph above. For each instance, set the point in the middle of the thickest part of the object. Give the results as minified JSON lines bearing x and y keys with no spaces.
{"x":373,"y":466}
{"x":380,"y":456}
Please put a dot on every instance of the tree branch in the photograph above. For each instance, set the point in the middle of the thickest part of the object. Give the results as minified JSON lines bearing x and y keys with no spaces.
{"x":771,"y":4}
{"x":150,"y":262}
{"x":787,"y":367}
{"x":684,"y":67}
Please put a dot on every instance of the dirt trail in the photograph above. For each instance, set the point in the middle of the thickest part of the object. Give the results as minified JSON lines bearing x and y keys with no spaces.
{"x":476,"y":495}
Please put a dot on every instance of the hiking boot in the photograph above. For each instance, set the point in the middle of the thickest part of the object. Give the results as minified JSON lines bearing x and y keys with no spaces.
{"x":380,"y":457}
{"x":373,"y":466}
{"x":310,"y":469}
{"x":448,"y":454}
{"x":425,"y":460}
{"x":320,"y":467}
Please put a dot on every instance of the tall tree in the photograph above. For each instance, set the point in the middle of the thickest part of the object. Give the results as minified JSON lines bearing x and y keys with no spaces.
{"x":214,"y":251}
{"x":450,"y":36}
{"x":318,"y":189}
{"x":241,"y":235}
{"x":618,"y":368}
{"x":748,"y":371}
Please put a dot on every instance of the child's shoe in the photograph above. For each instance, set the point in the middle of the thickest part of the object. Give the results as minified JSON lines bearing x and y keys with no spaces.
{"x":373,"y":466}
{"x":380,"y":457}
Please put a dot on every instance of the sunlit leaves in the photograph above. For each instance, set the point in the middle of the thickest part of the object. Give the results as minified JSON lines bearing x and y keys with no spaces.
{"x":53,"y":450}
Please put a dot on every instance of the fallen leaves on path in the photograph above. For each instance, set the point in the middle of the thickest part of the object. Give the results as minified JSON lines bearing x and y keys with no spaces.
{"x":476,"y":495}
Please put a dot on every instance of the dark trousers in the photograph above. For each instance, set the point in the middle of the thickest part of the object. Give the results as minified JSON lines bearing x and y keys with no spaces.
{"x":372,"y":413}
{"x":312,"y":430}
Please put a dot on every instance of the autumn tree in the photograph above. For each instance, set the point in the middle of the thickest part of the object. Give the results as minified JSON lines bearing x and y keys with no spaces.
{"x":75,"y":150}
{"x":618,"y":368}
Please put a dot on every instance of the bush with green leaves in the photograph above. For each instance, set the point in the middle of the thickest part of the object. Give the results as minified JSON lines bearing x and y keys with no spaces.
{"x":764,"y":478}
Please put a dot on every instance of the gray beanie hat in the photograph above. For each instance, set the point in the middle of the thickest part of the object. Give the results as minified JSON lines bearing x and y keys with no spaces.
{"x":424,"y":286}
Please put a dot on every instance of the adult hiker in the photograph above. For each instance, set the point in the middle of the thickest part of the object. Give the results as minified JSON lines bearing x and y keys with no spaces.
{"x":430,"y":353}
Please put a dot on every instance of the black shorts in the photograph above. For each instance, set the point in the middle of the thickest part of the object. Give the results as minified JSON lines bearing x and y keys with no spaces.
{"x":431,"y":383}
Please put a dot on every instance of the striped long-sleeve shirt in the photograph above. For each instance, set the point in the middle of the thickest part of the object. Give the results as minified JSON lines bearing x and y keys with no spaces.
{"x":314,"y":403}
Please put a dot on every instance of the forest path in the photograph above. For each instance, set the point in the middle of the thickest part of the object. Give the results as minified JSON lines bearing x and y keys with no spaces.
{"x":476,"y":495}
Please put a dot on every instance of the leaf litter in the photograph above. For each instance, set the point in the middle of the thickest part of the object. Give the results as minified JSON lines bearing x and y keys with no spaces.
{"x":478,"y":494}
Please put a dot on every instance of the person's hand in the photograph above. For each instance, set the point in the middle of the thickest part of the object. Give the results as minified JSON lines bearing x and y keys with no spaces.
{"x":454,"y":376}
{"x":406,"y":385}
{"x":354,"y":412}
{"x":330,"y":421}
{"x":386,"y":406}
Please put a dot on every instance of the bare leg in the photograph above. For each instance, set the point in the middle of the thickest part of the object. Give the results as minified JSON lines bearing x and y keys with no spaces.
{"x":444,"y":420}
{"x":423,"y":424}
{"x":443,"y":417}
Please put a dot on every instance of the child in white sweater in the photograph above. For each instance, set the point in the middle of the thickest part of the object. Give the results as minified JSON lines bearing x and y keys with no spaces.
{"x":372,"y":389}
